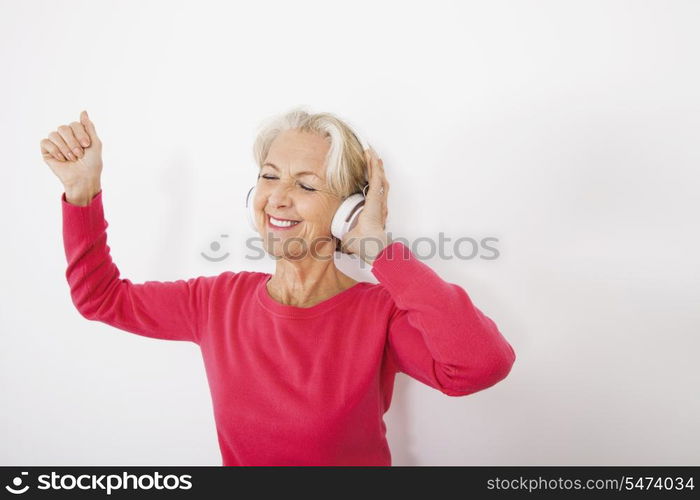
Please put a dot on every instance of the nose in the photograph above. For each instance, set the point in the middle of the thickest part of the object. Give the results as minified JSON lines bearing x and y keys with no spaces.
{"x":279,"y":195}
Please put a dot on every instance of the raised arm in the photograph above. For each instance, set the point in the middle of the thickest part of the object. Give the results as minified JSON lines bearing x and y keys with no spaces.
{"x":436,"y":335}
{"x":169,"y":310}
{"x":172,"y":310}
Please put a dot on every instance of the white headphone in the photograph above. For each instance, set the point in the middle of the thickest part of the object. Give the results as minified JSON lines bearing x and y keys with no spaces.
{"x":344,"y":218}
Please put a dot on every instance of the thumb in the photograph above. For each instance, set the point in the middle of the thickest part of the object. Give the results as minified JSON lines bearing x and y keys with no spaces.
{"x":89,"y":127}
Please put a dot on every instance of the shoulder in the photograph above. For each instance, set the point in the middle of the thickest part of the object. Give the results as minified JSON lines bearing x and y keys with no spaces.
{"x":238,"y":279}
{"x":374,"y":293}
{"x":226,"y":282}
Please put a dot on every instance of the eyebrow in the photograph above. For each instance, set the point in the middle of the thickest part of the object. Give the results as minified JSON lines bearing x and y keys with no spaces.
{"x":305,"y":172}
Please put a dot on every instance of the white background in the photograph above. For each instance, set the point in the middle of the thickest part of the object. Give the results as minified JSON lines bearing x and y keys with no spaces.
{"x":568,"y":130}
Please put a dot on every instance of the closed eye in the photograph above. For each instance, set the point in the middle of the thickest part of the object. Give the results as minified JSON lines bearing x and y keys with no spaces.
{"x":271,"y":177}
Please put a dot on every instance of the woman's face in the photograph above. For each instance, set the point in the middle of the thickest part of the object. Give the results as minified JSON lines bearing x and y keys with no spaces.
{"x":292,"y":185}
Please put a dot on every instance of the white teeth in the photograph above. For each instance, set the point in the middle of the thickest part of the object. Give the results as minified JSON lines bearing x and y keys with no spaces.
{"x":282,"y":223}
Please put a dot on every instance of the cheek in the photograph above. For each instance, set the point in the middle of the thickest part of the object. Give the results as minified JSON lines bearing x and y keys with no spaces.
{"x":260,"y":199}
{"x":318,"y":212}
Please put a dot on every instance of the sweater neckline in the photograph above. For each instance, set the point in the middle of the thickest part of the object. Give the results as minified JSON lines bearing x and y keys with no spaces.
{"x":290,"y":311}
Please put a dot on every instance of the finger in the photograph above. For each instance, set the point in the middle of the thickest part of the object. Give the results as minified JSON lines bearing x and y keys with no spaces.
{"x":380,"y":168}
{"x":80,"y":134}
{"x":377,"y":178}
{"x":68,"y":136}
{"x":369,"y":167}
{"x":385,"y":182}
{"x":48,"y":148}
{"x":89,"y":127}
{"x":373,"y":200}
{"x":57,"y":139}
{"x":382,"y":173}
{"x":371,"y":154}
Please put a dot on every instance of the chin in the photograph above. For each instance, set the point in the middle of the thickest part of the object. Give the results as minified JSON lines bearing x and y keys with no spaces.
{"x":292,"y":249}
{"x":297,"y":249}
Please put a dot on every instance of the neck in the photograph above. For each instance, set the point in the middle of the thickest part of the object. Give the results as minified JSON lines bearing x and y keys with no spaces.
{"x":306,"y":283}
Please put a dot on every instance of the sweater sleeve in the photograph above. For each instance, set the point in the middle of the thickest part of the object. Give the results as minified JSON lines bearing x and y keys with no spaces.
{"x":436,"y":335}
{"x":170,"y":310}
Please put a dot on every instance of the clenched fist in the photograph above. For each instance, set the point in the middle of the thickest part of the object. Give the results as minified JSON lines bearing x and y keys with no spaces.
{"x":74,"y":154}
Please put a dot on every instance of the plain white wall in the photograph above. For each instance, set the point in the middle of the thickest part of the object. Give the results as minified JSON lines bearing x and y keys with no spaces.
{"x":568,"y":130}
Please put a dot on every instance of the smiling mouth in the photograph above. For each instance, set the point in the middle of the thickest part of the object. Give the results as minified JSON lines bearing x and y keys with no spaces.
{"x":280,"y":223}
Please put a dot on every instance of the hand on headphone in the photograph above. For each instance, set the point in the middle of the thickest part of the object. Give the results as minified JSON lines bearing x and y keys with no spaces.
{"x":368,"y":237}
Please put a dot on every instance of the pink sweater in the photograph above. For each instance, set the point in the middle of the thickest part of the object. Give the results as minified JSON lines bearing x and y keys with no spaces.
{"x":291,"y":385}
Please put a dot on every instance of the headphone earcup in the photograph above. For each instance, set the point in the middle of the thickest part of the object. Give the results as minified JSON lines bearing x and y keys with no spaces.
{"x":250,"y":211}
{"x":347,"y":214}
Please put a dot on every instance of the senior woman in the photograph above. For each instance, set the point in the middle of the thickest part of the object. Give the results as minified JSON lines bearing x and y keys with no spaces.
{"x":301,"y":363}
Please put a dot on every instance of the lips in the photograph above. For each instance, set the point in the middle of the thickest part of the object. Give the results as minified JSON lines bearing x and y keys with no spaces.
{"x":282,"y":227}
{"x":282,"y":218}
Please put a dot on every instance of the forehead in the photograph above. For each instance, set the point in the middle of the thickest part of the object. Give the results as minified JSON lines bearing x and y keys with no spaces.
{"x":298,"y":152}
